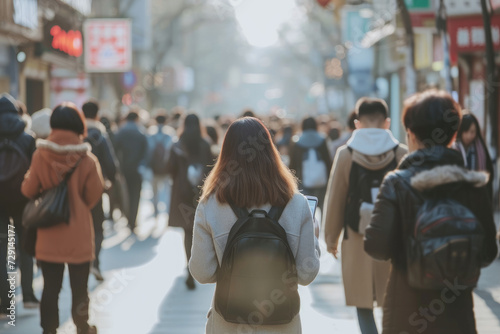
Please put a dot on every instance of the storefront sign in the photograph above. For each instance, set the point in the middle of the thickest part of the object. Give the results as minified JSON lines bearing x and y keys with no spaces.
{"x":467,"y":35}
{"x":419,"y":5}
{"x":108,"y":45}
{"x":69,"y":42}
{"x":62,"y":37}
{"x":462,"y":7}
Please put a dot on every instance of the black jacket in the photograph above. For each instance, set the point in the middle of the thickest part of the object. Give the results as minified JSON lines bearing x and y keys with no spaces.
{"x":440,"y":172}
{"x":131,"y":147}
{"x":184,"y":201}
{"x":102,"y":148}
{"x":12,"y":127}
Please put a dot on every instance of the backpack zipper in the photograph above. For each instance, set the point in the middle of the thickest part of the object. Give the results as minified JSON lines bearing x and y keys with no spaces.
{"x":439,"y":221}
{"x":451,"y":242}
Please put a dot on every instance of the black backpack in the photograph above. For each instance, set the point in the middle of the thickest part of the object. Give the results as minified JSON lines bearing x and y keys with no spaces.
{"x":361,"y":183}
{"x":159,"y":158}
{"x":257,"y":279}
{"x":14,"y":163}
{"x":445,"y":246}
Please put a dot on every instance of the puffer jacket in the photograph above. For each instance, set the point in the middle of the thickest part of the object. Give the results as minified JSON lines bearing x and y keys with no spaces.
{"x":438,"y":170}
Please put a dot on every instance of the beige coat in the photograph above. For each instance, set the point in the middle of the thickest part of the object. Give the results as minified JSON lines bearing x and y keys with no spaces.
{"x":364,"y":278}
{"x":213,"y":222}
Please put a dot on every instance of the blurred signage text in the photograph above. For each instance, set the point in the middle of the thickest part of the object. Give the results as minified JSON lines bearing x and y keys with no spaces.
{"x":462,"y":7}
{"x":467,"y":35}
{"x":69,"y":42}
{"x":108,"y":45}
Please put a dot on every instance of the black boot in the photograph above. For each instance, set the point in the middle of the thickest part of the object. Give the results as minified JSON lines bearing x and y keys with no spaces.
{"x":190,"y":282}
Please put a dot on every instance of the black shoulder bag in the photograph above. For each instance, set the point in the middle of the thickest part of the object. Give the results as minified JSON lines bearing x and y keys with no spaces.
{"x":51,"y":207}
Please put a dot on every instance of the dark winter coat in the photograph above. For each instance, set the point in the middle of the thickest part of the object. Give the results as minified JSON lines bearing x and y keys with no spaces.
{"x":131,"y":146}
{"x":309,"y":139}
{"x":184,"y":199}
{"x":12,"y":127}
{"x":101,"y":148}
{"x":408,"y":310}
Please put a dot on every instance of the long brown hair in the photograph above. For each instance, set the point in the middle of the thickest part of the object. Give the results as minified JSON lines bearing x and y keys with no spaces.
{"x":249,"y":171}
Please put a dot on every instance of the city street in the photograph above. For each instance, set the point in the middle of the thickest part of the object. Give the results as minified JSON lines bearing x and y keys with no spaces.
{"x":144,"y":290}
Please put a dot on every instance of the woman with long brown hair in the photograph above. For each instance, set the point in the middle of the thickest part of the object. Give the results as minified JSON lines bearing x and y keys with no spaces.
{"x":250,"y":174}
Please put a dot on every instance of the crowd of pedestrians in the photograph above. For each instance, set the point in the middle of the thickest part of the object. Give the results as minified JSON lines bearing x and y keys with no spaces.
{"x":241,"y":190}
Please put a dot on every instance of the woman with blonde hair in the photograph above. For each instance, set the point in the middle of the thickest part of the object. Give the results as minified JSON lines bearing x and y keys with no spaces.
{"x":249,"y":174}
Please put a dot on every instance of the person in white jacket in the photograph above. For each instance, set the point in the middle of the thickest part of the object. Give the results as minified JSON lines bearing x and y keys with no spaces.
{"x":249,"y":173}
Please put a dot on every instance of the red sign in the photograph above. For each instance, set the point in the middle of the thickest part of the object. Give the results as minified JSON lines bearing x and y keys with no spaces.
{"x":495,"y":4}
{"x":423,"y":20}
{"x":108,"y":45}
{"x":467,"y":35}
{"x":69,"y":42}
{"x":324,"y":3}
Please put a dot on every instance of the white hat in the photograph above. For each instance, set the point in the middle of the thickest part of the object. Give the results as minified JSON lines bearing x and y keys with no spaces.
{"x":40,"y":123}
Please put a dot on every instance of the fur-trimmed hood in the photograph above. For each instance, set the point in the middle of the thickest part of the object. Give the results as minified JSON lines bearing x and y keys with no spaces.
{"x":62,"y":149}
{"x":93,"y":124}
{"x":447,"y":174}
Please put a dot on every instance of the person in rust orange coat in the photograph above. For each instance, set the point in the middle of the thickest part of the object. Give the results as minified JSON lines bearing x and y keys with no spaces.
{"x":71,"y":243}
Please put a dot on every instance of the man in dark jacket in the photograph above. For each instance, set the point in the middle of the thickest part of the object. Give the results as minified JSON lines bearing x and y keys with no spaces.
{"x":310,"y":159}
{"x":431,"y":171}
{"x":13,"y":139}
{"x":131,"y":148}
{"x":103,"y":150}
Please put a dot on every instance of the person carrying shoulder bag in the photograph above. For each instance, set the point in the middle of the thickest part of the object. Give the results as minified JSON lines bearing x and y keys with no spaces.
{"x":71,"y":242}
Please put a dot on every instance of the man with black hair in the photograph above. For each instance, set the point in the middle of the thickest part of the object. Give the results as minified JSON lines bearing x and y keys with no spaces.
{"x":131,"y":148}
{"x":358,"y":170}
{"x":101,"y":147}
{"x":310,"y":160}
{"x":160,"y":140}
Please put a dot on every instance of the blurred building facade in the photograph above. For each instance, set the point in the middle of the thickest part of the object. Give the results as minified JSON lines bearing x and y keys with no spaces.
{"x":41,"y":46}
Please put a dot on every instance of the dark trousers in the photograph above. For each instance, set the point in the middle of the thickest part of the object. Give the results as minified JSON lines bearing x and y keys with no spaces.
{"x":188,"y":244}
{"x":23,"y":260}
{"x":366,"y":321}
{"x":134,"y":185}
{"x":53,"y":277}
{"x":98,"y":219}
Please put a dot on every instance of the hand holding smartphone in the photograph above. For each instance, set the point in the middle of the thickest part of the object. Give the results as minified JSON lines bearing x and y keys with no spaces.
{"x":313,"y":204}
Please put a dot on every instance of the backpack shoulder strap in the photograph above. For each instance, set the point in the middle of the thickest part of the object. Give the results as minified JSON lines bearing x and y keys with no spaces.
{"x":239,"y":212}
{"x":275,"y":213}
{"x":242,"y":215}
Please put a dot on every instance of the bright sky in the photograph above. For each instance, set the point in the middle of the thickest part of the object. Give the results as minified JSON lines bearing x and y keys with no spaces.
{"x":260,"y":20}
